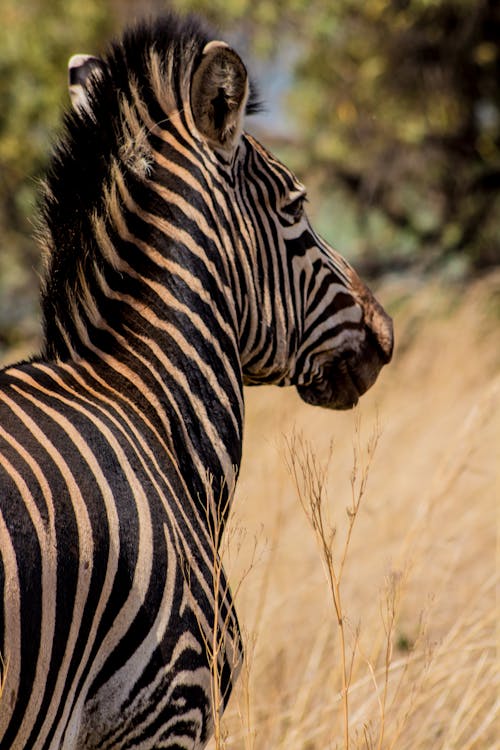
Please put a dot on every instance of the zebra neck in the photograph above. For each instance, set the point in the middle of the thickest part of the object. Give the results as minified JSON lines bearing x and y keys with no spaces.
{"x":154,"y":306}
{"x":171,"y":346}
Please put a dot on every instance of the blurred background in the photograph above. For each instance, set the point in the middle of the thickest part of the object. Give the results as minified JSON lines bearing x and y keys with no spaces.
{"x":389,"y":110}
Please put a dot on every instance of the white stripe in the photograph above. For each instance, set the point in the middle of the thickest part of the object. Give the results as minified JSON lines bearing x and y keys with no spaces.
{"x":46,"y":537}
{"x":85,"y":561}
{"x":143,"y":567}
{"x":11,"y":657}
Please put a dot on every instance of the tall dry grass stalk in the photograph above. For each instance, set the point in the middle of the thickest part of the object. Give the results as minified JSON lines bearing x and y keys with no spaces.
{"x":310,"y":478}
{"x":221,"y":636}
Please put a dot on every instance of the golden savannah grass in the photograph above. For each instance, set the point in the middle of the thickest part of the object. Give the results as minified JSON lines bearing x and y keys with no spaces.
{"x":361,"y":548}
{"x":369,"y":611}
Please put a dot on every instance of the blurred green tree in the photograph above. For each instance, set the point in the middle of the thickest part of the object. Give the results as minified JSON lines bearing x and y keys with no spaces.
{"x":400,"y":105}
{"x":395,"y":106}
{"x":36,"y":39}
{"x":35,"y":42}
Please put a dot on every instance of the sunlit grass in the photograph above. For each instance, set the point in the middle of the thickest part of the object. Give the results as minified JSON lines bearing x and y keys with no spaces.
{"x":406,"y":658}
{"x":383,"y":633}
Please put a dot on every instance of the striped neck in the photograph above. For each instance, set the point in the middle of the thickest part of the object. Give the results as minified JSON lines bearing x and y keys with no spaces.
{"x":151,"y":303}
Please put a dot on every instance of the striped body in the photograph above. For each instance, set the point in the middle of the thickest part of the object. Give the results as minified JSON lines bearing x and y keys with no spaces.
{"x":106,"y":525}
{"x":179,"y":266}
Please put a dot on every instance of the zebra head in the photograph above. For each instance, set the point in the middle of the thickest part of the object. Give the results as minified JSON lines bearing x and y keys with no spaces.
{"x":301,"y":314}
{"x":327,"y":334}
{"x":316,"y":325}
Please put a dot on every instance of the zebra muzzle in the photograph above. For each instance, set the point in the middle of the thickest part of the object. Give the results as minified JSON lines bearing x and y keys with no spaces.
{"x":341,"y":381}
{"x":340,"y":384}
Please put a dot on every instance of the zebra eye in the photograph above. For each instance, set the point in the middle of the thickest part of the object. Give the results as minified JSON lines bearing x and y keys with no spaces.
{"x":295,"y":209}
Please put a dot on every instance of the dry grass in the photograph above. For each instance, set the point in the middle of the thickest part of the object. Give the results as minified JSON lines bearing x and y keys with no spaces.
{"x":405,"y":651}
{"x":378,"y":634}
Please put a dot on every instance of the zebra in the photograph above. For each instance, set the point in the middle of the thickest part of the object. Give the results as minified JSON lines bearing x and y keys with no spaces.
{"x":179,"y":266}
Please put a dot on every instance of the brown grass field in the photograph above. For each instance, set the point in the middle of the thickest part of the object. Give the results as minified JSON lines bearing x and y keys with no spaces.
{"x":380,"y":629}
{"x":410,"y":661}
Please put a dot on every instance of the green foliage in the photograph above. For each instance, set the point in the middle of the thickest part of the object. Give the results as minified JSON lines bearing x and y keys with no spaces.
{"x":35,"y":44}
{"x":399,"y":104}
{"x":36,"y":40}
{"x":395,"y":110}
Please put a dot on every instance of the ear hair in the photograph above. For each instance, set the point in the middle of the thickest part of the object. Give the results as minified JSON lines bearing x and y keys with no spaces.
{"x":219,"y":92}
{"x":83,"y":72}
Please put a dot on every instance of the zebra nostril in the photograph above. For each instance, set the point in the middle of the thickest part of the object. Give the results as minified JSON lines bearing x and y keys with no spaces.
{"x":377,"y":321}
{"x":382,"y":330}
{"x":379,"y":326}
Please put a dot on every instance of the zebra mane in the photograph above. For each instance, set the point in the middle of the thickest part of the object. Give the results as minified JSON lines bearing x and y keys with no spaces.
{"x":92,"y":141}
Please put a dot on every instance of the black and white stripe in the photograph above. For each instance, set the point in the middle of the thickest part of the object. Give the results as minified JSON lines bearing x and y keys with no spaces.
{"x":179,"y":265}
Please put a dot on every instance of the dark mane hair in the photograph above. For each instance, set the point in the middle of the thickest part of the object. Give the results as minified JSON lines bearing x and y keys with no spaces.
{"x":80,"y":169}
{"x":88,"y":144}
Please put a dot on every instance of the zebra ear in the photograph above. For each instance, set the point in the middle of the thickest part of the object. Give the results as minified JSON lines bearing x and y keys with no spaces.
{"x":219,"y":92}
{"x":83,"y":72}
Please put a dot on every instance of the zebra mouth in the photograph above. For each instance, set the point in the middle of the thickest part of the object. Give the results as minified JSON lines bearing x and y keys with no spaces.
{"x":340,"y":382}
{"x":335,"y":388}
